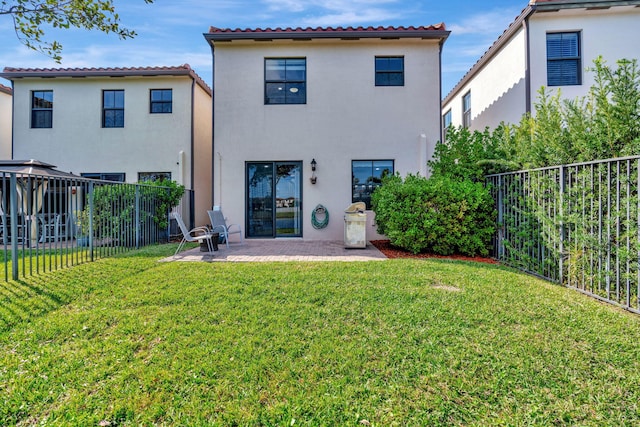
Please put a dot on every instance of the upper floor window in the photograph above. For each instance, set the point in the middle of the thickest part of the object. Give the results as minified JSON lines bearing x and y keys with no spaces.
{"x":366,"y":176}
{"x":105,"y":176}
{"x":466,"y":110}
{"x":161,"y":100}
{"x":285,"y":81}
{"x":113,"y":108}
{"x":42,"y":109}
{"x":563,"y":59}
{"x":389,"y":71}
{"x":446,"y":122}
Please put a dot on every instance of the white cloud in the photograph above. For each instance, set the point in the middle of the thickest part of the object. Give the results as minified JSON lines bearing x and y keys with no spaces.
{"x":491,"y":23}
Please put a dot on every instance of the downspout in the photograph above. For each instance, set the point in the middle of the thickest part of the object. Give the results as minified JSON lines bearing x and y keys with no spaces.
{"x":527,"y":53}
{"x":13,"y":115}
{"x":441,"y":44}
{"x":213,"y":128}
{"x":192,"y":168}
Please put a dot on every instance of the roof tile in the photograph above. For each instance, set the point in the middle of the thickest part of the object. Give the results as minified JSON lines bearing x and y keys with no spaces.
{"x":184,"y":69}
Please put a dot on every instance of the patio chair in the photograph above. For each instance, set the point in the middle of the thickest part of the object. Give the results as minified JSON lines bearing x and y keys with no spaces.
{"x":219,"y":225}
{"x":198,"y":234}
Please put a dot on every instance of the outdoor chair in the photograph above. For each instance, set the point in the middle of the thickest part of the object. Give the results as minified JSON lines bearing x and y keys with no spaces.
{"x":51,"y":227}
{"x":219,"y":225}
{"x":198,"y":234}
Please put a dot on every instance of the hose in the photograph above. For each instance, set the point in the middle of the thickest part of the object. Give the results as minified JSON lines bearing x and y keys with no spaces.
{"x":319,"y":211}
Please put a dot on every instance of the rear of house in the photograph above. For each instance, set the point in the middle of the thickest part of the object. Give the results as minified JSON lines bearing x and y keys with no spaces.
{"x":120,"y":124}
{"x":308,"y":117}
{"x":551,"y":43}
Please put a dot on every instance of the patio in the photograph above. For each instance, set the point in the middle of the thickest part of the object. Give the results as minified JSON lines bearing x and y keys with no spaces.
{"x":282,"y":250}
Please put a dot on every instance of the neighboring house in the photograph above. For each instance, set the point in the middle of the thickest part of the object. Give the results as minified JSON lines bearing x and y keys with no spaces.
{"x":353,"y":103}
{"x":551,"y":43}
{"x":5,"y":122}
{"x":121,"y":124}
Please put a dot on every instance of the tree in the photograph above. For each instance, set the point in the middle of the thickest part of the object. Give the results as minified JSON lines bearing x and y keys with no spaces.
{"x":32,"y":17}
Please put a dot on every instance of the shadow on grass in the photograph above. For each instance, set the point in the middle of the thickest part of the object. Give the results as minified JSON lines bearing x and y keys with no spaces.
{"x":33,"y":296}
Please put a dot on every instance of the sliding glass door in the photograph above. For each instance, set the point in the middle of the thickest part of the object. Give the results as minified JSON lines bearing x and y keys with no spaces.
{"x":274,"y":199}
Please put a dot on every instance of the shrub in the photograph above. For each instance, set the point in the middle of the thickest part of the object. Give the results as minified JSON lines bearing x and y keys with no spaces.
{"x":441,"y":215}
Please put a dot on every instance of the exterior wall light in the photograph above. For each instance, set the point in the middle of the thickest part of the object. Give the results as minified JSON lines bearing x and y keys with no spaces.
{"x":314,"y":178}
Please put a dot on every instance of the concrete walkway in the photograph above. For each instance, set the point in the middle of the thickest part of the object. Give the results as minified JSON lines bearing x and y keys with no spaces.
{"x":282,"y":250}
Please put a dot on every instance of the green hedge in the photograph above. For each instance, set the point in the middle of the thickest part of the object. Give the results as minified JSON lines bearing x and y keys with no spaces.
{"x":439,"y":215}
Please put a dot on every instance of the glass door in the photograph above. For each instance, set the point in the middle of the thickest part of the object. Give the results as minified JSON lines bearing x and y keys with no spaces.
{"x":274,"y":199}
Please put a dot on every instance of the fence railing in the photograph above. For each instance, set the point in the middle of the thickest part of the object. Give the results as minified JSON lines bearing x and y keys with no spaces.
{"x":577,"y":224}
{"x":53,"y":222}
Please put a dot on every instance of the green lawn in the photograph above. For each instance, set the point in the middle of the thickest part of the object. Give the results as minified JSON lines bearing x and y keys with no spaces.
{"x":130,"y":341}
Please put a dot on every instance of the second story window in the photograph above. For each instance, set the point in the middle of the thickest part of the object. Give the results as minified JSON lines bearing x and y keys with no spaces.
{"x":161,"y":101}
{"x":446,"y":122}
{"x":113,"y":108}
{"x":563,"y":59}
{"x":389,"y":71}
{"x":466,"y":110}
{"x":285,"y":81}
{"x":42,"y":109}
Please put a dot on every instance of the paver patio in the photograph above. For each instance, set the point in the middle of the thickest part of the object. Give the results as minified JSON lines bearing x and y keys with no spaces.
{"x":282,"y":250}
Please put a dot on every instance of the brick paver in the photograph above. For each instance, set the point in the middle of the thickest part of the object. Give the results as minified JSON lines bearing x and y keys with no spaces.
{"x":282,"y":250}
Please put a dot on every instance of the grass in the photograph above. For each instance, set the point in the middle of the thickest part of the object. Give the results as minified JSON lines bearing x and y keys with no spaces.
{"x":130,"y":341}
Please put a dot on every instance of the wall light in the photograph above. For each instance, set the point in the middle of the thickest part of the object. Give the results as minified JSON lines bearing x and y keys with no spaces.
{"x":314,"y":178}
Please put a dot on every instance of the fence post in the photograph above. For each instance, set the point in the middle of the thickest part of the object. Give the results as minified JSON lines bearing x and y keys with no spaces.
{"x":500,"y":242}
{"x":137,"y":216}
{"x":13,"y":199}
{"x":561,"y":225}
{"x":91,"y":220}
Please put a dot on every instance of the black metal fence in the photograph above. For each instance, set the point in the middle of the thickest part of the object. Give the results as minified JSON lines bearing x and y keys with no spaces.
{"x":577,"y":225}
{"x":49,"y":222}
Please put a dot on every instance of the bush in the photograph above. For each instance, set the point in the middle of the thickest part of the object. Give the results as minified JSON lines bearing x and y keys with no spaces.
{"x":440,"y":215}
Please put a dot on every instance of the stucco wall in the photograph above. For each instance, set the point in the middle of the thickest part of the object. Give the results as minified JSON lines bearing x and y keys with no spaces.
{"x":202,"y":158}
{"x":78,"y":143}
{"x":346,"y":118}
{"x":5,"y":125}
{"x":497,"y":91}
{"x":612,"y":33}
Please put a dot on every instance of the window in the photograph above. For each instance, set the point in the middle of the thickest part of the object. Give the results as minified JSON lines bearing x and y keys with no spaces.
{"x":153,"y":176}
{"x":446,"y":122}
{"x":466,"y":110}
{"x":42,"y":109}
{"x":161,"y":101}
{"x":389,"y":71}
{"x":366,"y":176}
{"x":115,"y":176}
{"x":563,"y":59}
{"x":285,"y":81}
{"x":113,"y":108}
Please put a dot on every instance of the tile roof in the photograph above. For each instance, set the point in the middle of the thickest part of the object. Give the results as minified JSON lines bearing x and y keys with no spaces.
{"x":5,"y":89}
{"x":437,"y":31}
{"x":11,"y":73}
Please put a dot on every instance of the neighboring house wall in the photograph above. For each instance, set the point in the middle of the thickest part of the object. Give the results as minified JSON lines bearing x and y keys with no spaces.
{"x":502,"y":90}
{"x":158,"y":142}
{"x":611,"y":33}
{"x":5,"y":122}
{"x":498,"y":91}
{"x":345,"y":118}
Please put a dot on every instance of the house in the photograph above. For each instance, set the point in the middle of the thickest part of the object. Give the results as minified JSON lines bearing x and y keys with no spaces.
{"x":551,"y":43}
{"x":317,"y":116}
{"x":120,"y":124}
{"x":5,"y":121}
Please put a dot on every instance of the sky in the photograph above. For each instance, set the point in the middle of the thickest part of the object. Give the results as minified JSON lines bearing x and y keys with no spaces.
{"x":170,"y":32}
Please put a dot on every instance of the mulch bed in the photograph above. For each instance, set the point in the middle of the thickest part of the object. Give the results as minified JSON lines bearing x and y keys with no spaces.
{"x":391,"y":251}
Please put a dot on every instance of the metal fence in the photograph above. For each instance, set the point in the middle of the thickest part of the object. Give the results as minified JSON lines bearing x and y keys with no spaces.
{"x":577,"y":225}
{"x":50,"y":222}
